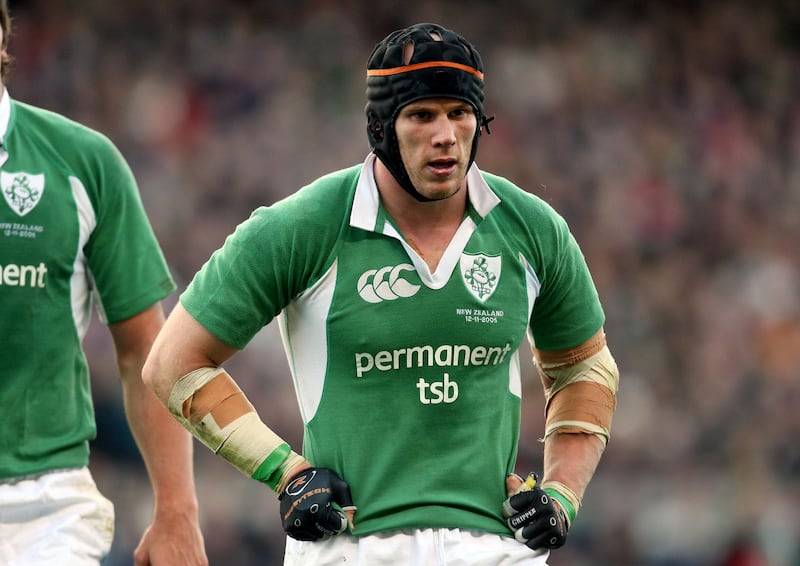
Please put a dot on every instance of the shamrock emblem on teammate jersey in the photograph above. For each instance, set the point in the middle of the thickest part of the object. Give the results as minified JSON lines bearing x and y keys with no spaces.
{"x":22,"y":191}
{"x":481,"y":274}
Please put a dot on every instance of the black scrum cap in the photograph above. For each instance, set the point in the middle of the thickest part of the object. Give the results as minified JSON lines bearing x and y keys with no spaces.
{"x":441,"y":64}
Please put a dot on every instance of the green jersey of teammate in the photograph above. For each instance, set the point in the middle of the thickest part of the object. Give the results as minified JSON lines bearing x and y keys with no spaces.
{"x":72,"y":228}
{"x":410,"y":416}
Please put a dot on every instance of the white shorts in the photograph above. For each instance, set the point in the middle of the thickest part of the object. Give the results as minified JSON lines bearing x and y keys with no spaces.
{"x":55,"y":519}
{"x":417,"y":547}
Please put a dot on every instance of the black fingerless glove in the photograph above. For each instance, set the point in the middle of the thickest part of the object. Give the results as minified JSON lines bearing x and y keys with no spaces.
{"x":537,"y":520}
{"x":313,"y":505}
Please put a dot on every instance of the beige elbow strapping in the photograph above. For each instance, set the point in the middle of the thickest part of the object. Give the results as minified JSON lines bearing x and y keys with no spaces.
{"x":207,"y":401}
{"x":581,"y":391}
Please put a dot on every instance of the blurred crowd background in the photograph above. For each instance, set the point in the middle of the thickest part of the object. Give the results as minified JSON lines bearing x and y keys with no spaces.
{"x":668,"y":135}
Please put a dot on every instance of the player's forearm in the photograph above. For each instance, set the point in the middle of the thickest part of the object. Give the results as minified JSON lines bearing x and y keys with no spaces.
{"x":581,"y":385}
{"x":184,"y":369}
{"x":210,"y":405}
{"x":165,"y":446}
{"x":572,"y":459}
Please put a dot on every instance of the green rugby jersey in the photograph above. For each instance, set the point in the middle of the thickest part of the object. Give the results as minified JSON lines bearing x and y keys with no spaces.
{"x":408,"y":381}
{"x":73,"y":232}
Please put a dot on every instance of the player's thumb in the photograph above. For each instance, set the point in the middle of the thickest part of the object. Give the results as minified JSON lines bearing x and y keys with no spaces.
{"x":351,"y":518}
{"x":343,"y":499}
{"x":513,"y":483}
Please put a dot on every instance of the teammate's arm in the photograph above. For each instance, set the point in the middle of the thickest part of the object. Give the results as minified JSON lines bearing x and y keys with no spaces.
{"x":174,"y":535}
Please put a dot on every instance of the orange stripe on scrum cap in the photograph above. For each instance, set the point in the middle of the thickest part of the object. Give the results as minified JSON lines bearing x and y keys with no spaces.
{"x":427,"y":65}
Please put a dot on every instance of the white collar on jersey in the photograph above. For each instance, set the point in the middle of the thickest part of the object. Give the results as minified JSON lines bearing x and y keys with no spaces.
{"x":367,"y":201}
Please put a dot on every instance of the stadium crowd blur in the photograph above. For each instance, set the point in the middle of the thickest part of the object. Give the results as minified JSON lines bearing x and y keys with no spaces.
{"x":668,"y":135}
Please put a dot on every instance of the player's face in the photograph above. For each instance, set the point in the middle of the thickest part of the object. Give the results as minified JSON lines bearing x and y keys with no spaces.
{"x":435,"y":139}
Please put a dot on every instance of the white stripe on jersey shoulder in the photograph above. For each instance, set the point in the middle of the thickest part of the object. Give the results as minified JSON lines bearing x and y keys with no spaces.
{"x":532,"y":283}
{"x":305,"y":340}
{"x":81,"y":283}
{"x":532,"y":286}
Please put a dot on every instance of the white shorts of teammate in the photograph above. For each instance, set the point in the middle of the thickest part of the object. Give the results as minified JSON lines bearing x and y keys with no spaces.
{"x":417,"y":547}
{"x":55,"y":519}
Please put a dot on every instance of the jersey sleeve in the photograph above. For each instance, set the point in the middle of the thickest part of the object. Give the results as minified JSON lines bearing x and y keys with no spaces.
{"x":270,"y":258}
{"x":567,"y":311}
{"x":125,"y":260}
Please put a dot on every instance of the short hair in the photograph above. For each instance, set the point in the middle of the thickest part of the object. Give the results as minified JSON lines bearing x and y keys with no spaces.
{"x":5,"y":25}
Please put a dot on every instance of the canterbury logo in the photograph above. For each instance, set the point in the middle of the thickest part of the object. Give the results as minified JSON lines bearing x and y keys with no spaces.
{"x":385,"y":284}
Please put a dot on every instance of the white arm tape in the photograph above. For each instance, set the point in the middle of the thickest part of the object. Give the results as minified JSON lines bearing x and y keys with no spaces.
{"x":587,"y":408}
{"x":185,"y":388}
{"x":599,"y":368}
{"x":245,"y":442}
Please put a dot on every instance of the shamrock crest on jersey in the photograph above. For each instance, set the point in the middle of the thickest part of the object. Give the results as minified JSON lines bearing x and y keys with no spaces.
{"x":22,"y":191}
{"x":481,"y":274}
